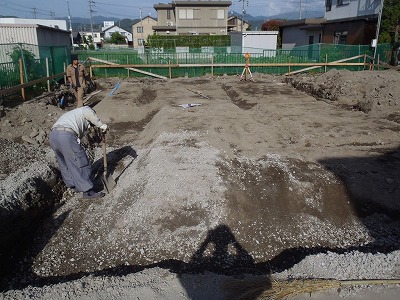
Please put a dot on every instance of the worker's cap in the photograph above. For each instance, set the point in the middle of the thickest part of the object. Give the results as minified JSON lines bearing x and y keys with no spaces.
{"x":74,"y":57}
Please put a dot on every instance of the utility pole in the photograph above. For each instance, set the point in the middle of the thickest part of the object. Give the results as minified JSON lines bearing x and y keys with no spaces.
{"x":301,"y":7}
{"x":91,"y":2}
{"x":70,"y":25}
{"x":243,"y":14}
{"x":34,"y":12}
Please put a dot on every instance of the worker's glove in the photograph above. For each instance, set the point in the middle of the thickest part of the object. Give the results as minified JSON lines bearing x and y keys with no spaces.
{"x":93,"y":136}
{"x":104,"y":128}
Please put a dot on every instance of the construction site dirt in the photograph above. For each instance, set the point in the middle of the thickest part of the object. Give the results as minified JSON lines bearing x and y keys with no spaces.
{"x":217,"y":180}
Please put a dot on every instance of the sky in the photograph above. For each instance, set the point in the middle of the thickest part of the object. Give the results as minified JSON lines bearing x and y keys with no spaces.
{"x":133,"y":9}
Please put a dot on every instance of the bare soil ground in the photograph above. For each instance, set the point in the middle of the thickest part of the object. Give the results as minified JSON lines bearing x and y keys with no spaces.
{"x":295,"y":177}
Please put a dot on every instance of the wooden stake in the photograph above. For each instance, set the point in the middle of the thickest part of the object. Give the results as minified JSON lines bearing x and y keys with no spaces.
{"x":21,"y":76}
{"x":169,"y":69}
{"x":127,"y":62}
{"x":326,"y":60}
{"x":48,"y":74}
{"x":212,"y":66}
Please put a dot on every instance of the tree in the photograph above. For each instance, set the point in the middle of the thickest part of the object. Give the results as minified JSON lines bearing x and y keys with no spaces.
{"x":273,"y":25}
{"x":32,"y":65}
{"x":89,"y":42}
{"x":389,"y":22}
{"x":117,"y":38}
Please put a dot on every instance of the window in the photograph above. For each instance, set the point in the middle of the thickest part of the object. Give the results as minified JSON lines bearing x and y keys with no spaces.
{"x":140,"y":29}
{"x":186,"y":14}
{"x":328,"y":5}
{"x":340,"y":38}
{"x":220,"y":14}
{"x":342,"y":2}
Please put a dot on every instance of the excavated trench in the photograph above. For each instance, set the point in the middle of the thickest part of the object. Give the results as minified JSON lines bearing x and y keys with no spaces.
{"x":31,"y":192}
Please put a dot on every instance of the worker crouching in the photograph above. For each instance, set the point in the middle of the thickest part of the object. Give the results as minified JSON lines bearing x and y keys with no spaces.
{"x":65,"y":136}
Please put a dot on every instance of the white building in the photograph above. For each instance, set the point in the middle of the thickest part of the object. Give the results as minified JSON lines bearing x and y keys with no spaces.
{"x":107,"y":24}
{"x":32,"y":34}
{"x":254,"y":41}
{"x":60,"y":24}
{"x":109,"y":31}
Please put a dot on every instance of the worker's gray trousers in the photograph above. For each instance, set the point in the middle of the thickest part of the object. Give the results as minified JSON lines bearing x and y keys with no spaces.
{"x":72,"y":160}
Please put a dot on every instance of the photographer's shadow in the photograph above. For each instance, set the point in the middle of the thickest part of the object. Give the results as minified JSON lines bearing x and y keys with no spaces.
{"x":220,"y":252}
{"x":222,"y":256}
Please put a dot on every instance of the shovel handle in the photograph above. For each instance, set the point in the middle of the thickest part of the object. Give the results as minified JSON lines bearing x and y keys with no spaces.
{"x":104,"y":154}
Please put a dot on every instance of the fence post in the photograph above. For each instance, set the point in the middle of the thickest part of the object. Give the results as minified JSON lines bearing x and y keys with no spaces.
{"x":169,"y":68}
{"x":212,"y":65}
{"x":326,"y":61}
{"x":48,"y":74}
{"x":289,"y":66}
{"x":127,"y":62}
{"x":21,"y":76}
{"x":90,"y":68}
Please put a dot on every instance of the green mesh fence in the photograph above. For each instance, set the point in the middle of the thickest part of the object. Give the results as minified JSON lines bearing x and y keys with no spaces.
{"x":182,"y":56}
{"x":9,"y":75}
{"x":34,"y":60}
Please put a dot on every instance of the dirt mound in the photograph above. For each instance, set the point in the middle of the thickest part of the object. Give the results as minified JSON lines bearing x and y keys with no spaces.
{"x":376,"y":93}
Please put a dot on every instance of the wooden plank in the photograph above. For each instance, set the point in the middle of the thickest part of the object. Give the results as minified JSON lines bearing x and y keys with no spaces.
{"x":231,"y":65}
{"x":137,"y":66}
{"x":382,"y":64}
{"x":333,"y":63}
{"x":30,"y":83}
{"x":130,"y":68}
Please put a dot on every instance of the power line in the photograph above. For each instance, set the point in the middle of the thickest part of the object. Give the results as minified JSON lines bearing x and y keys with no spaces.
{"x":121,"y":5}
{"x":34,"y":12}
{"x":30,"y":10}
{"x":8,"y":3}
{"x":118,"y":15}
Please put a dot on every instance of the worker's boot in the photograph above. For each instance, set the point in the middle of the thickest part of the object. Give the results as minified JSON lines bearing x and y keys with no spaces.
{"x":92,"y":194}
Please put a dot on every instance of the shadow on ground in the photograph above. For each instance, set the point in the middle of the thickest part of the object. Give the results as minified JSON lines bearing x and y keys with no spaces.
{"x":118,"y":161}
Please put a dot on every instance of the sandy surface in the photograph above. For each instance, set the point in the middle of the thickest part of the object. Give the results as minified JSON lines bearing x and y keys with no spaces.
{"x":260,"y":178}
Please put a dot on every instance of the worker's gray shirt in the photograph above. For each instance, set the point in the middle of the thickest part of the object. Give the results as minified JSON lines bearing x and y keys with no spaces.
{"x":79,"y":120}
